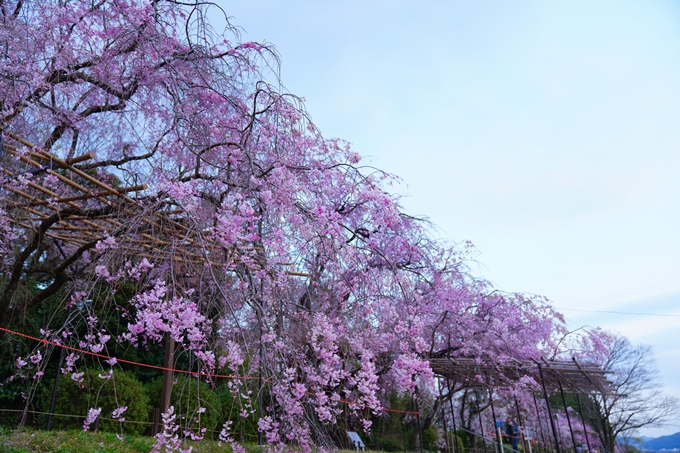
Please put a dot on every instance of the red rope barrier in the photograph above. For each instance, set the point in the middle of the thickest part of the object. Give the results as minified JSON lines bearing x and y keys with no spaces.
{"x":45,"y":342}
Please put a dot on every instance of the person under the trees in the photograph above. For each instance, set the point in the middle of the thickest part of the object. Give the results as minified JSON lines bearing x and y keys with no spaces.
{"x":512,"y":433}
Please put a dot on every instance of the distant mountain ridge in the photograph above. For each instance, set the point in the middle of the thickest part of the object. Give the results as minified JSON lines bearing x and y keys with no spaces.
{"x":670,"y":442}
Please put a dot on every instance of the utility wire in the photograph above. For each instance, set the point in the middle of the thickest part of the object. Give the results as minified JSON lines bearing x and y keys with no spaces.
{"x":666,"y":315}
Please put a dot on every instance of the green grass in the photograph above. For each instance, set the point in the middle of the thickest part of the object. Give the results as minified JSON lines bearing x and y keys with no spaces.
{"x":30,"y":441}
{"x":34,"y":441}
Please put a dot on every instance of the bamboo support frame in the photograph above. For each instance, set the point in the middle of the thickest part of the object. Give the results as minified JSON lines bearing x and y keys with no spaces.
{"x":153,"y":234}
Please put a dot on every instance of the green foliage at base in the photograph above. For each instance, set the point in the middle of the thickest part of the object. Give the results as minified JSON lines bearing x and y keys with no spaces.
{"x":391,"y":444}
{"x":121,"y":390}
{"x":189,"y":394}
{"x":430,"y":437}
{"x":458,"y":440}
{"x":32,"y":441}
{"x":392,"y":431}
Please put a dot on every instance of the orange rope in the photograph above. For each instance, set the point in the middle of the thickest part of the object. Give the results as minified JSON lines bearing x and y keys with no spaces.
{"x":46,"y":342}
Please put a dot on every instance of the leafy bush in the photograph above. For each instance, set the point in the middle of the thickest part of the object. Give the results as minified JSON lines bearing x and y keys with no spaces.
{"x":460,"y":438}
{"x":123,"y":389}
{"x":391,"y":444}
{"x":188,"y":395}
{"x":430,"y":437}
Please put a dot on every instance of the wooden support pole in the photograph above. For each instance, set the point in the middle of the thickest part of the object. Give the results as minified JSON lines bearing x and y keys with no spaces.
{"x":540,"y":425}
{"x":481,"y":425}
{"x":420,"y":429}
{"x":446,"y":430}
{"x":526,"y":445}
{"x":62,"y":352}
{"x":453,"y":418}
{"x":566,"y":410}
{"x":87,"y":196}
{"x":550,"y":415}
{"x":168,"y":363}
{"x":499,"y":439}
{"x":583,"y":420}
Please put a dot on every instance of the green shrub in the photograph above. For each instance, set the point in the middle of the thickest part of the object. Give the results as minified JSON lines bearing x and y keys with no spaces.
{"x":123,"y":389}
{"x":460,"y":438}
{"x":430,"y":437}
{"x":463,"y":436}
{"x":188,"y":395}
{"x":391,"y":444}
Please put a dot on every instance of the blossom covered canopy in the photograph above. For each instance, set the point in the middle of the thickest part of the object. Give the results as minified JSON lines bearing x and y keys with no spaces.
{"x":300,"y":264}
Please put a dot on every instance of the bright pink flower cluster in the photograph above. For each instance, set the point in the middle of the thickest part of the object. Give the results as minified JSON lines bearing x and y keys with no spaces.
{"x":277,"y":253}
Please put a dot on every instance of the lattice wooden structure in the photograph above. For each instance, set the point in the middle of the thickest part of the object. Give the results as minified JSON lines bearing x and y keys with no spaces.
{"x":572,"y":376}
{"x":85,"y":209}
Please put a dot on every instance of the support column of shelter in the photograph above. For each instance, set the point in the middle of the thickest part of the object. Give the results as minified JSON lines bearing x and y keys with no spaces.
{"x":54,"y":389}
{"x":420,"y":429}
{"x":497,"y":428}
{"x":526,"y":445}
{"x":453,"y":418}
{"x":583,"y":420}
{"x":62,"y":353}
{"x":550,"y":415}
{"x":540,"y":425}
{"x":446,"y":431}
{"x":481,"y":425}
{"x":580,"y":407}
{"x":168,"y":363}
{"x":566,"y":410}
{"x":259,"y":394}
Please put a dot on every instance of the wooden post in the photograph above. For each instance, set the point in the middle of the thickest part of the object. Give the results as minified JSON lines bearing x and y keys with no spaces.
{"x":55,"y":386}
{"x":550,"y":415}
{"x":420,"y":429}
{"x":481,"y":425}
{"x":168,"y":363}
{"x":453,"y":418}
{"x":446,"y":430}
{"x":155,"y":420}
{"x":566,"y":411}
{"x":62,"y":351}
{"x":499,"y":439}
{"x":583,"y":421}
{"x":259,"y":394}
{"x":525,"y":444}
{"x":540,"y":425}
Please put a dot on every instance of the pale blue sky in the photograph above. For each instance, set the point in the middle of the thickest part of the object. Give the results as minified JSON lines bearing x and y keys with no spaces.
{"x":547,"y":133}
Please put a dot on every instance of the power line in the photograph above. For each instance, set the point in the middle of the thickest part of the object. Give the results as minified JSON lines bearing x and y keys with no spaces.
{"x":665,"y":315}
